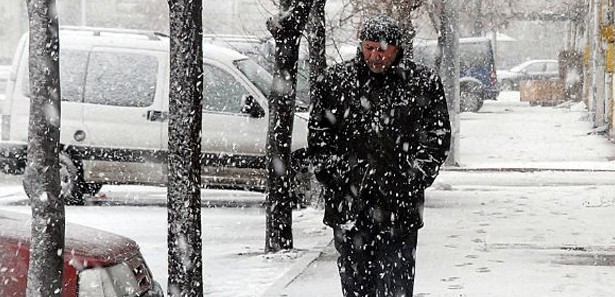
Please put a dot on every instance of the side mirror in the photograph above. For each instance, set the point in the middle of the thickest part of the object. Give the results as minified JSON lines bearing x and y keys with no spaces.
{"x":250,"y":107}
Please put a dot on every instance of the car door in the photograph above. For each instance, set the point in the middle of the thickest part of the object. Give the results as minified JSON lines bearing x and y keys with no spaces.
{"x":226,"y":129}
{"x":233,"y":141}
{"x":122,"y":115}
{"x":72,"y":72}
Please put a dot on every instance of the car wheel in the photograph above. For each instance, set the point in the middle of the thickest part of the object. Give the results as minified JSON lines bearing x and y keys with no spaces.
{"x":71,"y":181}
{"x":471,"y":99}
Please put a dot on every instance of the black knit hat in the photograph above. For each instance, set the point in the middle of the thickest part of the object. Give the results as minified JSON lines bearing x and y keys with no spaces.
{"x":381,"y":28}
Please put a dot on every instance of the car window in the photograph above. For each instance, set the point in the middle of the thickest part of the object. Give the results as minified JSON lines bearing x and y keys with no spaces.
{"x":256,"y":74}
{"x":121,"y":79}
{"x":552,"y":67}
{"x":221,"y":91}
{"x":535,"y":67}
{"x":72,"y":75}
{"x":4,"y":76}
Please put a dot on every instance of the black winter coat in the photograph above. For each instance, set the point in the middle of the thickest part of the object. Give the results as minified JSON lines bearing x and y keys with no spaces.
{"x":378,"y":140}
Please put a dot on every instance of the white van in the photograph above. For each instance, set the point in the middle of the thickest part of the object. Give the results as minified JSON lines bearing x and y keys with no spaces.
{"x":115,"y":86}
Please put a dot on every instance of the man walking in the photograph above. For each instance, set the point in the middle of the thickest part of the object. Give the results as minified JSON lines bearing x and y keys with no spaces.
{"x":379,"y":131}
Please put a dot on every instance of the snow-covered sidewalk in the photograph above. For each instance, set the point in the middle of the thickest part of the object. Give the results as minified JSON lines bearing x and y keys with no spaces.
{"x":528,"y":213}
{"x":501,"y":240}
{"x":488,"y":232}
{"x":511,"y":134}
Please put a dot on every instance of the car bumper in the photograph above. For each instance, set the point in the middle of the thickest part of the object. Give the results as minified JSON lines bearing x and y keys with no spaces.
{"x":13,"y":157}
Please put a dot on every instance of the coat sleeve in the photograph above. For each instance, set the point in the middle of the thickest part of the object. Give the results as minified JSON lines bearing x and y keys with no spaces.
{"x":435,"y":135}
{"x":323,"y":133}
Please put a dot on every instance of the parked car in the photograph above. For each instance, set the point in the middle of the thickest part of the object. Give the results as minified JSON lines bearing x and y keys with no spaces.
{"x":115,"y":109}
{"x":478,"y":79}
{"x":96,"y":263}
{"x":529,"y":70}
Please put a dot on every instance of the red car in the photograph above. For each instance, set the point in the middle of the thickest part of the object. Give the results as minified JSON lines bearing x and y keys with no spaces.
{"x":96,"y":263}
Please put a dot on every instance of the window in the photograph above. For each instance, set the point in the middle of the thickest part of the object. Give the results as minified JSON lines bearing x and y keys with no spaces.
{"x":221,"y":91}
{"x":121,"y":79}
{"x":113,"y":281}
{"x":72,"y":75}
{"x":552,"y":67}
{"x":536,"y":67}
{"x":256,"y":74}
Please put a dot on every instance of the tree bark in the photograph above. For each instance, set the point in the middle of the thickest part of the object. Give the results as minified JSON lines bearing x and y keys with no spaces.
{"x":316,"y":40}
{"x":477,"y":30}
{"x":449,"y":71}
{"x":404,"y":10}
{"x":185,"y":113}
{"x":42,"y":176}
{"x":286,"y":30}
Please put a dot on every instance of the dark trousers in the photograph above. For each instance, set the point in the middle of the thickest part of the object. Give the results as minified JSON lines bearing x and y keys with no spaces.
{"x":376,"y":263}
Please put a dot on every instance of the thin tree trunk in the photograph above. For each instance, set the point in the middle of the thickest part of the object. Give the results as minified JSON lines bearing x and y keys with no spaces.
{"x":185,"y":113}
{"x":286,"y":30}
{"x":404,"y":11}
{"x":449,"y":71}
{"x":42,"y":179}
{"x":477,"y":30}
{"x":316,"y":40}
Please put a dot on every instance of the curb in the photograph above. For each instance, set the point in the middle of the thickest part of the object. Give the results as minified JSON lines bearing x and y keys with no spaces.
{"x":523,"y":169}
{"x":296,"y":269}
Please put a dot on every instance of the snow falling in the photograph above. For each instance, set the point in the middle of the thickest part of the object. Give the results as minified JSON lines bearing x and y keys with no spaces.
{"x":522,"y":206}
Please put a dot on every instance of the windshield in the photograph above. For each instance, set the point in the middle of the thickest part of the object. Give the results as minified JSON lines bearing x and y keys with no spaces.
{"x":520,"y":67}
{"x":263,"y":80}
{"x":516,"y":68}
{"x":256,"y":74}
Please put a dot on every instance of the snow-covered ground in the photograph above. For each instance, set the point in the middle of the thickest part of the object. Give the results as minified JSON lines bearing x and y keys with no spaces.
{"x":510,"y":133}
{"x":518,"y":230}
{"x":488,"y":233}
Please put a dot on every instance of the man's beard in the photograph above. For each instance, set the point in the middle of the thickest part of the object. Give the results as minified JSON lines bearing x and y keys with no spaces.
{"x":376,"y":67}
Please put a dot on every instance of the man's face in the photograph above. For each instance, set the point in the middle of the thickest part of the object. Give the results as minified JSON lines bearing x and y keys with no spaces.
{"x":378,"y":55}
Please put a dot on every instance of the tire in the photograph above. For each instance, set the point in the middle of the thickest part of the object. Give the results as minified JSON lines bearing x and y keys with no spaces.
{"x":471,"y":99}
{"x":71,"y":181}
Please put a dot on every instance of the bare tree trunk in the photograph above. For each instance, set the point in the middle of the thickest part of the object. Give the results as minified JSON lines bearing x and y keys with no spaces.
{"x":449,"y":71}
{"x":316,"y":40}
{"x":185,"y":113}
{"x":404,"y":10}
{"x":286,"y":30}
{"x":42,"y":176}
{"x":477,"y":30}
